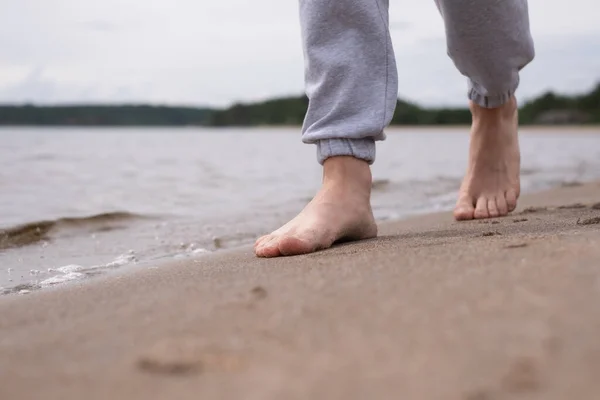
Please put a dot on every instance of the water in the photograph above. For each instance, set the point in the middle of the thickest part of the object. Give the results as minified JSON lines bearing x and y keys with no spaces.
{"x":116,"y":197}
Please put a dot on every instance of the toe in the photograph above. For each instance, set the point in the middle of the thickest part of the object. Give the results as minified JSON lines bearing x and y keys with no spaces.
{"x":502,"y":206}
{"x":269,"y":248}
{"x":269,"y":252}
{"x":261,"y":240}
{"x":292,"y":246}
{"x":481,"y":209}
{"x":492,"y":207}
{"x":464,"y":209}
{"x":511,"y":200}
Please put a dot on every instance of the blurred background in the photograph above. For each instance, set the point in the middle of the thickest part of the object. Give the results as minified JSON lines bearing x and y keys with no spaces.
{"x":144,"y":130}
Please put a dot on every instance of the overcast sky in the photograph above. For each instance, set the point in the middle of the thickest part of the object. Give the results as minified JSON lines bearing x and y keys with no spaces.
{"x":216,"y":52}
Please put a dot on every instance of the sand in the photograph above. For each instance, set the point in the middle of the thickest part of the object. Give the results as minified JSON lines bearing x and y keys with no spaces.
{"x":432,"y":309}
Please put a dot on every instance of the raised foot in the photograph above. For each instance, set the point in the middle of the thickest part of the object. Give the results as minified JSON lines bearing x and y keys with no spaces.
{"x":491,"y":185}
{"x":341,"y":210}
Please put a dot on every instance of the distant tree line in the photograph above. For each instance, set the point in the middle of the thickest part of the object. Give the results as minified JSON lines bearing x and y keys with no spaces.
{"x":553,"y":108}
{"x":546,"y":109}
{"x":549,"y":108}
{"x":94,"y":115}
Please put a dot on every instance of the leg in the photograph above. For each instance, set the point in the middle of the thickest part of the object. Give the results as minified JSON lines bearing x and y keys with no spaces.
{"x":490,"y":42}
{"x":352,"y":87}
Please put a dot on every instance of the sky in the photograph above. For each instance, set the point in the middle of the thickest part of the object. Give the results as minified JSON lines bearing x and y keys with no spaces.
{"x":216,"y":53}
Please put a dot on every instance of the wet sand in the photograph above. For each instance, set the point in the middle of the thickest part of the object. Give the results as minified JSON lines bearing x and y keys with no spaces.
{"x":432,"y":309}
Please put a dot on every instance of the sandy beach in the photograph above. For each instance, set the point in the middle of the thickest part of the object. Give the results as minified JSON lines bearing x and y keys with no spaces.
{"x":432,"y":309}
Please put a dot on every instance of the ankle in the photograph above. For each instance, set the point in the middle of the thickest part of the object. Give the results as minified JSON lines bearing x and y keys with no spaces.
{"x":348,"y":172}
{"x":494,"y":115}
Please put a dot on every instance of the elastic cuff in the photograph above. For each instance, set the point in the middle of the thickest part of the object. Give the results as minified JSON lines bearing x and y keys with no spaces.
{"x":491,"y":101}
{"x":363,"y":149}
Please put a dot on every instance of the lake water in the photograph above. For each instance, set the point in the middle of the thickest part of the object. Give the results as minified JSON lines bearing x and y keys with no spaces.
{"x":76,"y":202}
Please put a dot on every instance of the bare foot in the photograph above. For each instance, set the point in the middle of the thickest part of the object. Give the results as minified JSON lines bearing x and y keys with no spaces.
{"x":340,"y":211}
{"x":492,"y":184}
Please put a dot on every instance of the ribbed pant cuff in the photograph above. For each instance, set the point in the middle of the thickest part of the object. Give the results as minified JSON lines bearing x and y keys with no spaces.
{"x":363,"y":149}
{"x":492,"y":101}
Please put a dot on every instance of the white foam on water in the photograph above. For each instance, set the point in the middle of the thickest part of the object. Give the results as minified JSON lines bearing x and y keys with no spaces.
{"x":75,"y":272}
{"x":120,"y":261}
{"x":55,"y":280}
{"x":190,"y":251}
{"x":67,"y":269}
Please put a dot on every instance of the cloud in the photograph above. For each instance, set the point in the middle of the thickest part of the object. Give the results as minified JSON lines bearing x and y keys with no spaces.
{"x":399,"y":25}
{"x":216,"y":53}
{"x":32,"y":87}
{"x":100,"y":26}
{"x":564,"y":63}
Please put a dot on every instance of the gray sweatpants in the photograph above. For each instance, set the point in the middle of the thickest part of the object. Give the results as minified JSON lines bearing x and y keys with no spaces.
{"x":350,"y":68}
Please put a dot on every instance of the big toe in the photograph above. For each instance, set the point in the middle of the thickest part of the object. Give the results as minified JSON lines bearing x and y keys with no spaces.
{"x":293,"y":246}
{"x":268,"y":248}
{"x":464,"y":209}
{"x":262,"y":240}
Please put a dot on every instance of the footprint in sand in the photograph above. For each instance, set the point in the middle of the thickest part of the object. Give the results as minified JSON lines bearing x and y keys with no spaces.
{"x":522,"y":377}
{"x":188,"y":356}
{"x":589,"y":221}
{"x":572,"y":206}
{"x":487,"y":234}
{"x":259,"y":293}
{"x":516,"y":246}
{"x":531,"y":210}
{"x":480,"y":395}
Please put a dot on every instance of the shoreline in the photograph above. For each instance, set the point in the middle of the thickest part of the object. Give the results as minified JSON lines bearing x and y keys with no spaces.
{"x":432,"y":308}
{"x":71,"y":274}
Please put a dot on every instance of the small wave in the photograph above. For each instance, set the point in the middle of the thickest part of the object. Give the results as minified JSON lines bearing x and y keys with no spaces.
{"x":77,"y":272}
{"x":24,"y":235}
{"x":25,"y":288}
{"x":380,"y":184}
{"x":428,"y":187}
{"x":33,"y":232}
{"x":101,"y":218}
{"x":67,"y":269}
{"x":120,"y":261}
{"x":56,"y":280}
{"x":69,"y":273}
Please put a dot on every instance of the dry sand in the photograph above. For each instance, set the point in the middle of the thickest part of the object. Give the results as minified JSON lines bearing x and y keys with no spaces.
{"x":433,"y":309}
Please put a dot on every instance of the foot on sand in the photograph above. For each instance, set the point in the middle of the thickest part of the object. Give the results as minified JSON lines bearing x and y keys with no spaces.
{"x":491,"y":186}
{"x":340,"y":211}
